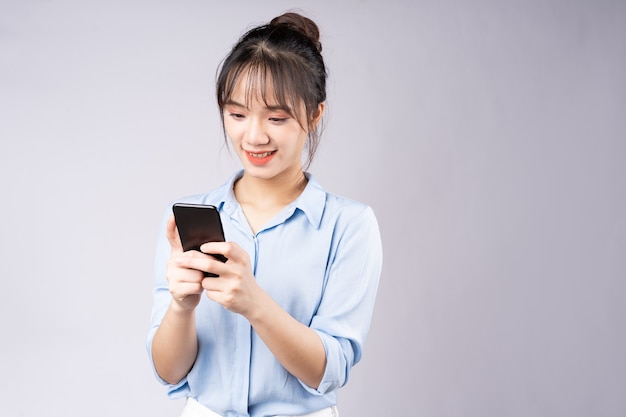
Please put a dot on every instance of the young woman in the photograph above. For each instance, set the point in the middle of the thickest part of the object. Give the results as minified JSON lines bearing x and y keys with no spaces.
{"x":278,"y":331}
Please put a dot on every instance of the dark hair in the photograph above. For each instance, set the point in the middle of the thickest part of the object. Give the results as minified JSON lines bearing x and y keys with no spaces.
{"x":287,"y":53}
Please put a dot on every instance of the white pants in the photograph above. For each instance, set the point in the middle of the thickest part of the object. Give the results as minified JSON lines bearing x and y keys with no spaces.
{"x":194,"y":409}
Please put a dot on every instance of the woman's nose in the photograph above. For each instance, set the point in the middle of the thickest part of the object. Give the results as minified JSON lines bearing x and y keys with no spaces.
{"x":255,"y":134}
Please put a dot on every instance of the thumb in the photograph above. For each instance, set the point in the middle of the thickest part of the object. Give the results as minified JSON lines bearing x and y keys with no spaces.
{"x":171,"y":232}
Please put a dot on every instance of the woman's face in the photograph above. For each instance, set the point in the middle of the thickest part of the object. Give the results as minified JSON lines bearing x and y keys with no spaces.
{"x":268,"y":141}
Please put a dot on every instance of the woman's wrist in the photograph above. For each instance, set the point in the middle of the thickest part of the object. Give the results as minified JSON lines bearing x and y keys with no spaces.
{"x":182,"y":310}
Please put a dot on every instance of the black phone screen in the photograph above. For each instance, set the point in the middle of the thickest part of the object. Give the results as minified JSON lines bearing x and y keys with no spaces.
{"x":198,"y":224}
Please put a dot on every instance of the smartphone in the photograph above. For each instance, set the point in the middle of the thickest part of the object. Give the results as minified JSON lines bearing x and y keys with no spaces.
{"x":198,"y":224}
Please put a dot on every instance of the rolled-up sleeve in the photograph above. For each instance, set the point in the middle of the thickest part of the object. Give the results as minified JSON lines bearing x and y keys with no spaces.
{"x":345,"y":312}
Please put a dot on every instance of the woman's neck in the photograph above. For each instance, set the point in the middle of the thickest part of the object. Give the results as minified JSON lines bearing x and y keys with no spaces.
{"x":274,"y":192}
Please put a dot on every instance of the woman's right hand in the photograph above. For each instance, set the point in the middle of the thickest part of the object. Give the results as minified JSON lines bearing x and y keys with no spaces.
{"x":185,"y":284}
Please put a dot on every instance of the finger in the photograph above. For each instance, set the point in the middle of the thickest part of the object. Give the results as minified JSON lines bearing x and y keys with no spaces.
{"x":199,"y":261}
{"x":216,"y":290}
{"x":213,"y":284}
{"x":179,"y":276}
{"x":182,"y":290}
{"x":172,"y":235}
{"x":178,"y":272}
{"x":229,"y":250}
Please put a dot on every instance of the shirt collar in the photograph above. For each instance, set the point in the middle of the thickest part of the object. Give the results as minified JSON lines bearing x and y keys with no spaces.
{"x":311,"y":202}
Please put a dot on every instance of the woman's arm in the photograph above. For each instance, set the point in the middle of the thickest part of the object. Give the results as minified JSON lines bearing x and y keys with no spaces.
{"x":297,"y":347}
{"x":175,"y":344}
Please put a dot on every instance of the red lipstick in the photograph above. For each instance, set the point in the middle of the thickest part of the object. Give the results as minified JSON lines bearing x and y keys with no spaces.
{"x":260,"y":158}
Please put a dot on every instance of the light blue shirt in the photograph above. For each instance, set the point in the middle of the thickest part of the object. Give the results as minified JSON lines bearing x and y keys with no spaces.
{"x":320,"y":258}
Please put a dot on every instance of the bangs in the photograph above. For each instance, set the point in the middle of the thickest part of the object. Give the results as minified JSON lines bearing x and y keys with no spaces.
{"x":271,"y":80}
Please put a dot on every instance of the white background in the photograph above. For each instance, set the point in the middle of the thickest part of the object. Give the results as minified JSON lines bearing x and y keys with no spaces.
{"x":488,"y":136}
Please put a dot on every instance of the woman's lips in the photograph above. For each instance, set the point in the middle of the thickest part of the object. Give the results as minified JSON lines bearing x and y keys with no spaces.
{"x":260,"y":158}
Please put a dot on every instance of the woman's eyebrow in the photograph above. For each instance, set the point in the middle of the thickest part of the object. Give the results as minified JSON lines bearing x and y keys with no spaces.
{"x":277,"y":107}
{"x":234,"y":103}
{"x":269,"y":107}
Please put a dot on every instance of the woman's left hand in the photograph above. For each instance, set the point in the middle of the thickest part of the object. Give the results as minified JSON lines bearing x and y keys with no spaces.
{"x":235,"y":288}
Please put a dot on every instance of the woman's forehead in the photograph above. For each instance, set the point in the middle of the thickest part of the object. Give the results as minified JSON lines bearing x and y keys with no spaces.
{"x":249,"y":87}
{"x":252,"y":88}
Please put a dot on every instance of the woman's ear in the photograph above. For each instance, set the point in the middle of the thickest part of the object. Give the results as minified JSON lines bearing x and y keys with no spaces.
{"x":318,"y":116}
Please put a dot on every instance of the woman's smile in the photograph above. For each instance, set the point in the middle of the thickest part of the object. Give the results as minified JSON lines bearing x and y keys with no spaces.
{"x":260,"y":158}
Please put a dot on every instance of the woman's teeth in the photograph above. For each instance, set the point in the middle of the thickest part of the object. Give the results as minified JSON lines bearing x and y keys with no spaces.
{"x":260,"y":155}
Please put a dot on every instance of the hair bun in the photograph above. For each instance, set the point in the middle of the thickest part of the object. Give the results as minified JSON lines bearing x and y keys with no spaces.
{"x":300,"y":24}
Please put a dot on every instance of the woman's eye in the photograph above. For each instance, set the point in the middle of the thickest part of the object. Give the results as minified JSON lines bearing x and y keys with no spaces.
{"x":277,"y":119}
{"x":236,"y":116}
